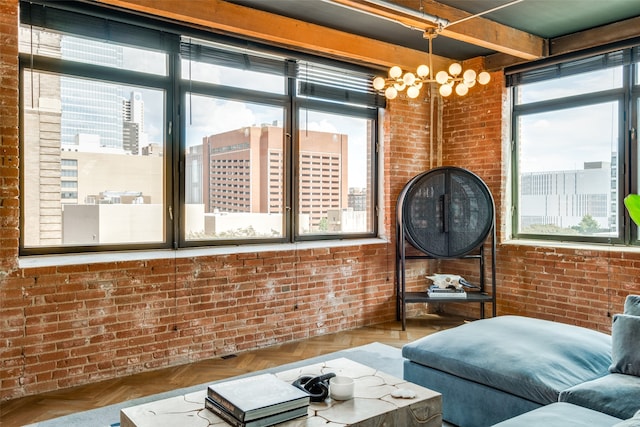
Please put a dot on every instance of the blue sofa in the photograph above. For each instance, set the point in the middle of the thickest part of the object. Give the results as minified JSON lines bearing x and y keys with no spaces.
{"x":492,"y":370}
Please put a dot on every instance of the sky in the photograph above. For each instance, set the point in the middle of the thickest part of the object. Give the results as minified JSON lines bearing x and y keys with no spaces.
{"x":564,"y":139}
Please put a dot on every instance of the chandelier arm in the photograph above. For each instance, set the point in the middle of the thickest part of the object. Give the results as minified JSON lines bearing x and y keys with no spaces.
{"x":397,"y":81}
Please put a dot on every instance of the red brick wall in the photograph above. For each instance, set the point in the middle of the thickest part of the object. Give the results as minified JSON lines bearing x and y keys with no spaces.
{"x":577,"y":286}
{"x":68,"y":325}
{"x":9,"y":201}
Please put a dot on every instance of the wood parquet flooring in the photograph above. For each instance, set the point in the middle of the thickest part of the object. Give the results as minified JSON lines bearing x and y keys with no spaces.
{"x":31,"y":409}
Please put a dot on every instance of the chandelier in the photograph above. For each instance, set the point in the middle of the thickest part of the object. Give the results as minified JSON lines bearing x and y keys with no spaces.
{"x":412,"y":82}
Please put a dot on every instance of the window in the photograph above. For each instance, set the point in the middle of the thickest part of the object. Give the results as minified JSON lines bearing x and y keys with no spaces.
{"x":334,"y":173}
{"x":571,"y":138}
{"x":148,"y":135}
{"x":236,"y":143}
{"x":87,"y":176}
{"x":336,"y":156}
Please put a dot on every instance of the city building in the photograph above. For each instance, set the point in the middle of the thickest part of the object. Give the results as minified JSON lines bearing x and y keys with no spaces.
{"x":101,"y":111}
{"x":564,"y":198}
{"x":42,"y":135}
{"x":134,"y":137}
{"x":244,"y":167}
{"x":357,"y":199}
{"x":195,"y":175}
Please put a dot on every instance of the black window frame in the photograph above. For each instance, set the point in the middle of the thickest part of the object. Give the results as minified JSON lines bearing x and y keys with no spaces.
{"x":626,"y":55}
{"x":107,"y":24}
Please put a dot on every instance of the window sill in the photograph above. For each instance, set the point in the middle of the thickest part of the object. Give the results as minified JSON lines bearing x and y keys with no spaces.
{"x":38,"y":261}
{"x":572,"y":245}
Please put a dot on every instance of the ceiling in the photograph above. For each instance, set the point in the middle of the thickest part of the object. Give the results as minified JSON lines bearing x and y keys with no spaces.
{"x":545,"y":19}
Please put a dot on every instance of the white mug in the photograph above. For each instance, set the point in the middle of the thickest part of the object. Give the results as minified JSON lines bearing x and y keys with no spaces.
{"x":341,"y":388}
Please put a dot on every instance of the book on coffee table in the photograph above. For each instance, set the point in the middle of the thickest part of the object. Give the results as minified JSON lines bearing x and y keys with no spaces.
{"x":269,"y":420}
{"x":257,"y":396}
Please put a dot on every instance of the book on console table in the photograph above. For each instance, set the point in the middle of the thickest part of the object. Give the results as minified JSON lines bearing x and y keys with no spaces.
{"x":436,"y":292}
{"x":269,"y":420}
{"x":257,"y":396}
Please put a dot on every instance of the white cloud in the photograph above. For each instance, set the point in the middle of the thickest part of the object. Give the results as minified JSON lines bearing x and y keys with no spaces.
{"x":565,"y":139}
{"x":212,"y":116}
{"x":323,"y":126}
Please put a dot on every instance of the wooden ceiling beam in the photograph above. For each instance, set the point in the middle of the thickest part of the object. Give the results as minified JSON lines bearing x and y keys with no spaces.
{"x":478,"y":31}
{"x":616,"y":32}
{"x":232,"y":19}
{"x":607,"y":34}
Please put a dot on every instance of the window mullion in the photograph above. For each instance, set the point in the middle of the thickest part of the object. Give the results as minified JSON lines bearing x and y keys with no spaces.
{"x":632,"y":157}
{"x":97,"y":72}
{"x":290,"y":169}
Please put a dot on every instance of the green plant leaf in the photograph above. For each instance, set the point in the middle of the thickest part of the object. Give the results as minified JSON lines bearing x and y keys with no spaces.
{"x":632,"y":202}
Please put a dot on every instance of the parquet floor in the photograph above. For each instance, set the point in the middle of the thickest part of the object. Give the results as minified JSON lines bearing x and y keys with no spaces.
{"x":19,"y":412}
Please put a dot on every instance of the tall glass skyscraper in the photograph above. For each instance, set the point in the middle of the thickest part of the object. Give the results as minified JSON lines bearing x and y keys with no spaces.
{"x":91,"y":108}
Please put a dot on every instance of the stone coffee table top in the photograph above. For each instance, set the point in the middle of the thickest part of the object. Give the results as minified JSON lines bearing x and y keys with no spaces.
{"x":372,"y":404}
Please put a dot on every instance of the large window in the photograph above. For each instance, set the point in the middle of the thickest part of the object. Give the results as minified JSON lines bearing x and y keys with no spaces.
{"x":573,"y":137}
{"x":156,"y":136}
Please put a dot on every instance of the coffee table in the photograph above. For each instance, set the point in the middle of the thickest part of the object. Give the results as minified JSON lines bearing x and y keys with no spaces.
{"x":372,"y":404}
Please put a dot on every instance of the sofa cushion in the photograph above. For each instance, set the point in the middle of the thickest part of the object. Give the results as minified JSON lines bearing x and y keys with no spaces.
{"x":632,"y":305}
{"x":631,"y":422}
{"x":625,"y":347}
{"x":530,"y":358}
{"x":613,"y":394}
{"x":560,"y":415}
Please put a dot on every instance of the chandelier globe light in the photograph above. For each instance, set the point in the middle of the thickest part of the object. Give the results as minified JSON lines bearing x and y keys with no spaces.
{"x":398,"y":81}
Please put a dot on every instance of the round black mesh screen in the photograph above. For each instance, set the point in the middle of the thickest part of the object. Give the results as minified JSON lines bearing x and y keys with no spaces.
{"x":446,"y":212}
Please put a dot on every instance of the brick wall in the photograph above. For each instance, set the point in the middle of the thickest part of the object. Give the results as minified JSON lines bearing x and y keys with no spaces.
{"x":9,"y":201}
{"x":82,"y":323}
{"x":68,"y":325}
{"x":583,"y":287}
